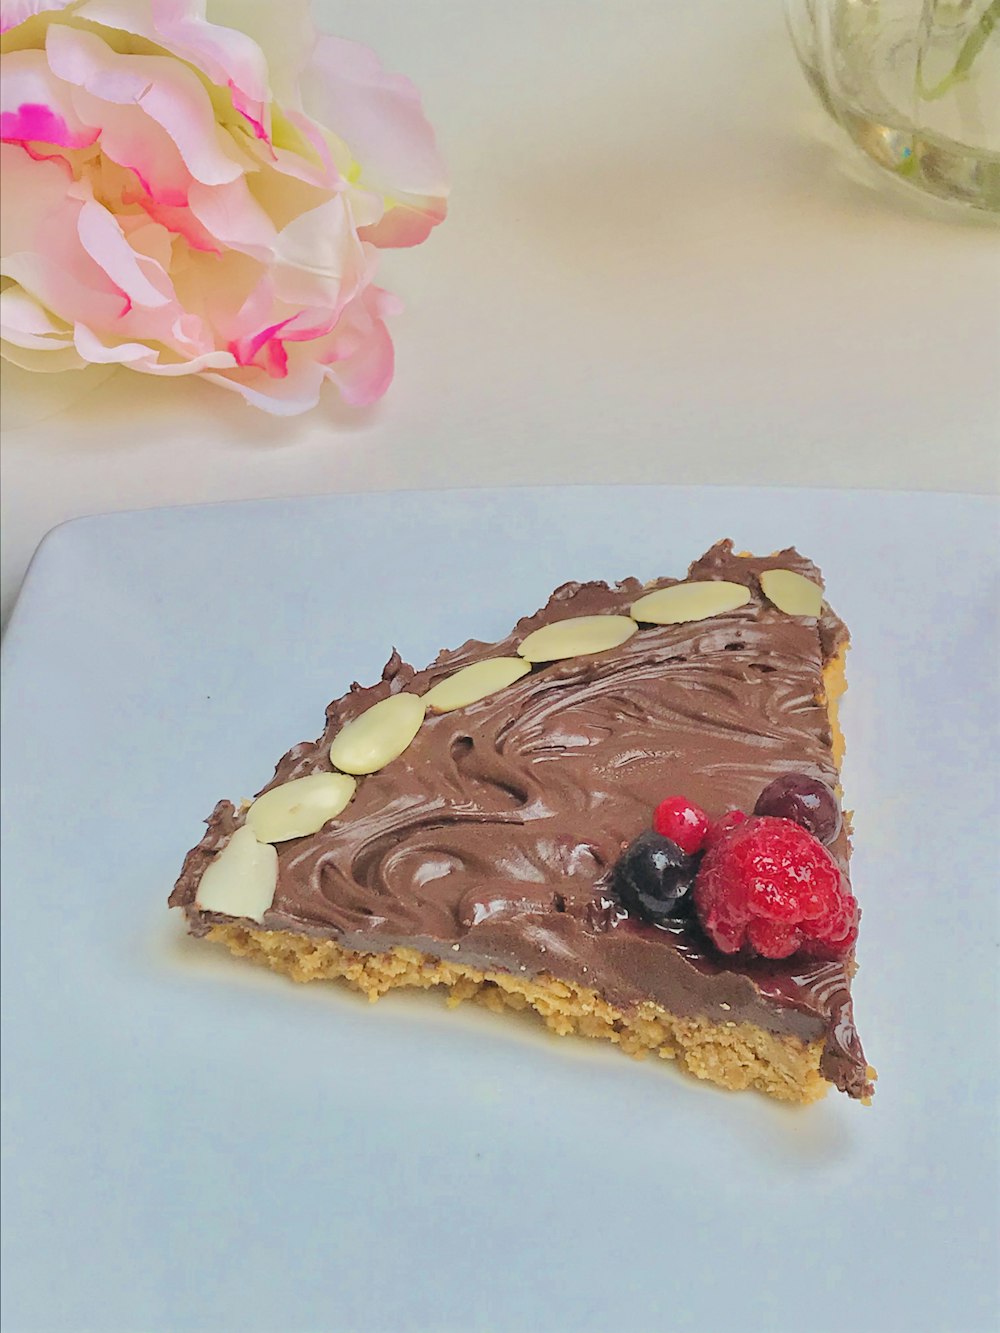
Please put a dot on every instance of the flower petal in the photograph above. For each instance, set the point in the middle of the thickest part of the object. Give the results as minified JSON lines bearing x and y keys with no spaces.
{"x":141,"y":279}
{"x":13,"y":12}
{"x":60,"y":357}
{"x":318,"y":259}
{"x":139,"y":356}
{"x":41,"y":244}
{"x":379,"y":116}
{"x":296,"y":392}
{"x":25,"y":322}
{"x":35,"y":107}
{"x":284,"y":31}
{"x":232,"y":215}
{"x":177,"y":219}
{"x":171,"y":95}
{"x":229,"y":57}
{"x":359,"y":354}
{"x":138,"y":144}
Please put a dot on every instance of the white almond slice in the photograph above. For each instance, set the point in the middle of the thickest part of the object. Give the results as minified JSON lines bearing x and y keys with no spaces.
{"x":475,"y":682}
{"x":242,"y":878}
{"x":690,"y":601}
{"x":379,"y":735}
{"x":792,"y":593}
{"x":300,"y":807}
{"x":576,"y":637}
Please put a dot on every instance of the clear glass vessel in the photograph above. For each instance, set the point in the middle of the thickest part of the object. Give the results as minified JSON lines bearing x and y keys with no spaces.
{"x":915,"y":83}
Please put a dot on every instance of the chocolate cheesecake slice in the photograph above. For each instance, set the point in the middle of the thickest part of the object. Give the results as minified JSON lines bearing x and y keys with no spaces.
{"x":484,"y":826}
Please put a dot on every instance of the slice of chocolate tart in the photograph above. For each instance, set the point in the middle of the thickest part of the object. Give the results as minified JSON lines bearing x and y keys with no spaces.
{"x":624,"y":816}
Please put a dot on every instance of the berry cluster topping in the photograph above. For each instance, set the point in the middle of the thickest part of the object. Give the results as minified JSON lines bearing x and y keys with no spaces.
{"x":768,"y":887}
{"x":761,"y":885}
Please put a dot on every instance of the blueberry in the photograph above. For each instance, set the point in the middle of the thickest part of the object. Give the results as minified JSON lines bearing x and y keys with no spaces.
{"x":806,"y":801}
{"x":653,"y":877}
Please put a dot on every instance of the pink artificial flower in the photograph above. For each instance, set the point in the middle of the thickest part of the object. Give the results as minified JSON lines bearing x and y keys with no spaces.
{"x":183,"y":197}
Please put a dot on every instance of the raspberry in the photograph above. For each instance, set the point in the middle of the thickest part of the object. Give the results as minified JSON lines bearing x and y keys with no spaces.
{"x":682,"y":822}
{"x":768,"y":887}
{"x":730,"y":820}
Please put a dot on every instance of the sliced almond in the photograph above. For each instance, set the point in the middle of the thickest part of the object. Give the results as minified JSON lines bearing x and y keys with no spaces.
{"x":792,"y":593}
{"x":576,"y":637}
{"x":299,"y":807}
{"x":690,"y":601}
{"x":242,"y":878}
{"x":475,"y":682}
{"x":378,"y":736}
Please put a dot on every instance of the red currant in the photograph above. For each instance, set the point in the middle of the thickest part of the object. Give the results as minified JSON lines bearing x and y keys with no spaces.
{"x":682,"y":822}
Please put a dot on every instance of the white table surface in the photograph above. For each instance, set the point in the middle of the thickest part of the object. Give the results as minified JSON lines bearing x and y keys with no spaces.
{"x":657,"y":267}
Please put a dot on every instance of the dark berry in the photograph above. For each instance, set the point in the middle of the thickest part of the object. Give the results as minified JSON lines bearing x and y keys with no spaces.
{"x":804,"y":800}
{"x":653,"y":877}
{"x":682,"y":822}
{"x":768,"y":887}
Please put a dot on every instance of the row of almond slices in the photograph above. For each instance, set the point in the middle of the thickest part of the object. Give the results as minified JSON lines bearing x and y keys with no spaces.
{"x":241,"y":880}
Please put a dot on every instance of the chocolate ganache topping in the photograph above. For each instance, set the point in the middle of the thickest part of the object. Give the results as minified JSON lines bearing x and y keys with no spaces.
{"x":491,"y":839}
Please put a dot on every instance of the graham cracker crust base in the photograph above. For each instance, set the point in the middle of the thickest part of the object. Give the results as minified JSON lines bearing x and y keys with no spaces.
{"x":732,"y":1055}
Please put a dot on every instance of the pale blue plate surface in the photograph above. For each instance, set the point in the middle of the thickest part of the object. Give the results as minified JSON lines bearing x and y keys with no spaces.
{"x":192,"y":1144}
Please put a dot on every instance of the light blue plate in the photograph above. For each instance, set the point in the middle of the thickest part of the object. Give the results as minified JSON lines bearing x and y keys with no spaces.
{"x":192,"y":1144}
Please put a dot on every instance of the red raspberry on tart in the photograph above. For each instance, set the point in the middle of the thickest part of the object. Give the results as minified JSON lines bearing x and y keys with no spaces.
{"x":768,"y":887}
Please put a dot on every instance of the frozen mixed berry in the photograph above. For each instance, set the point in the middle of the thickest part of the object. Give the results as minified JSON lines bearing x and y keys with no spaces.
{"x":653,"y":877}
{"x":769,"y":887}
{"x":724,"y":825}
{"x":682,"y":822}
{"x":807,"y":801}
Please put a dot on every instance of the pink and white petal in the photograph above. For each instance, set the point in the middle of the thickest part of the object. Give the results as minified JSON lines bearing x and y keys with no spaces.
{"x":178,"y":220}
{"x":28,"y":324}
{"x":181,"y":332}
{"x":163,"y":88}
{"x":359,"y":353}
{"x":364,"y":377}
{"x":138,"y":356}
{"x":143,"y":281}
{"x":405,"y":224}
{"x":318,"y":259}
{"x":284,"y":197}
{"x":301,"y":164}
{"x":232,"y":215}
{"x":36,"y":107}
{"x":133,"y":142}
{"x":247,"y":350}
{"x":266,"y":347}
{"x":291,"y":163}
{"x":62,"y":356}
{"x":42,"y":249}
{"x":296,"y":392}
{"x":380,"y":117}
{"x":256,"y":311}
{"x":367,"y":208}
{"x":149,"y":238}
{"x":214,"y":287}
{"x":284,"y":31}
{"x":13,"y":12}
{"x":227,"y":56}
